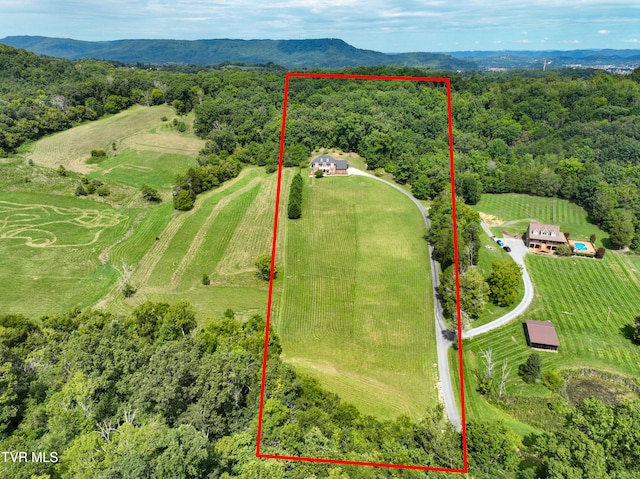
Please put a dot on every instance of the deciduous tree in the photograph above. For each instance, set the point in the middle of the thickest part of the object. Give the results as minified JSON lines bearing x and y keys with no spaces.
{"x":504,"y":282}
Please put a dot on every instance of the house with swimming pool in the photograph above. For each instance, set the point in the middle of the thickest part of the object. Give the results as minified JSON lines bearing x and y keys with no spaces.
{"x":542,"y":238}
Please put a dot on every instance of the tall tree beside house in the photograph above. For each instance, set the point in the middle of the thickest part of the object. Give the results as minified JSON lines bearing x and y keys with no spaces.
{"x":294,"y":208}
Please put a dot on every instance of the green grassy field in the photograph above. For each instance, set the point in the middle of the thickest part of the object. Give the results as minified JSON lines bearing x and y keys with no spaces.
{"x":591,"y":302}
{"x":138,"y":129}
{"x":50,"y":248}
{"x":513,"y":212}
{"x":356,"y":309}
{"x":490,"y":252}
{"x":136,"y":167}
{"x":221,"y":237}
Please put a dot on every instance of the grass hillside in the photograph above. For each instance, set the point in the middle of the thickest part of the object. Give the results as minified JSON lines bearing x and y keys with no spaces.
{"x":221,"y":237}
{"x":50,"y":251}
{"x":357,"y":308}
{"x":138,"y":129}
{"x":87,"y":239}
{"x":592,"y":304}
{"x":513,"y":212}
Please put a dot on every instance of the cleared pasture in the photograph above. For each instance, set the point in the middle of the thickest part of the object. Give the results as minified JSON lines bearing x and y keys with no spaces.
{"x":356,"y":309}
{"x":513,"y":212}
{"x":220,"y":237}
{"x":135,"y":168}
{"x":138,"y":128}
{"x":591,"y":302}
{"x":50,"y":248}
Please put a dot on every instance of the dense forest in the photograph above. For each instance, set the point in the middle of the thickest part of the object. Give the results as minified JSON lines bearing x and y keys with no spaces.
{"x":571,"y":134}
{"x":152,"y":394}
{"x":304,"y":53}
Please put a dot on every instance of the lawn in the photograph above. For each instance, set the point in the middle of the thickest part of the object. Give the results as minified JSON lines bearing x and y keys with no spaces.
{"x":490,"y":252}
{"x":356,"y":309}
{"x":512,"y":213}
{"x":591,"y":303}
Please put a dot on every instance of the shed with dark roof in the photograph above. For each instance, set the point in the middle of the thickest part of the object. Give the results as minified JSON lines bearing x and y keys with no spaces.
{"x":541,"y":335}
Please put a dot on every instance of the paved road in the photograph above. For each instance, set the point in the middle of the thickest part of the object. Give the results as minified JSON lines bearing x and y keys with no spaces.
{"x":444,"y":337}
{"x":518,"y":252}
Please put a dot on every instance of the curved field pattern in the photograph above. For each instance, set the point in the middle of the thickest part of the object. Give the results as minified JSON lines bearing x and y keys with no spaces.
{"x":41,"y":226}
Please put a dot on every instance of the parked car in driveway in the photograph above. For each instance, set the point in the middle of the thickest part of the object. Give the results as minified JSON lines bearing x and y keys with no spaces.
{"x":500,"y":242}
{"x":507,"y":249}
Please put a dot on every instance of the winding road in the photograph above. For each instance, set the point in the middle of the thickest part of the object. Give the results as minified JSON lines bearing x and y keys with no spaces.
{"x":444,"y":336}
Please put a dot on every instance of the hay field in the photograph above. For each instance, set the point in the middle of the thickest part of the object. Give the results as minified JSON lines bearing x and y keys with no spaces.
{"x":137,"y":128}
{"x":50,"y":248}
{"x":221,"y":237}
{"x":356,"y":310}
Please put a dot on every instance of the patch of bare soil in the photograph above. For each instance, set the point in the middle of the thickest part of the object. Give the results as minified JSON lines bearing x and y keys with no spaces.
{"x":491,"y":220}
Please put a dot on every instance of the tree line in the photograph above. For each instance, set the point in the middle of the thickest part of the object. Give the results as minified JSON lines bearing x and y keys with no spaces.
{"x":157,"y":393}
{"x":571,"y":134}
{"x":500,"y":286}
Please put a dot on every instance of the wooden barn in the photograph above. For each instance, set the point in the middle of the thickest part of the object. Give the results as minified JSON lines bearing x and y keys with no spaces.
{"x":541,"y":335}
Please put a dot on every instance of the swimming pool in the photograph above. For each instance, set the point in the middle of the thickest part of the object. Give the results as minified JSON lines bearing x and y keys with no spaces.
{"x":580,"y":246}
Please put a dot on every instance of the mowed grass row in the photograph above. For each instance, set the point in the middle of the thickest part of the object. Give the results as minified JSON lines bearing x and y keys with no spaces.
{"x":50,"y":247}
{"x":135,"y":168}
{"x":518,"y":210}
{"x":175,"y":241}
{"x":356,"y":310}
{"x":221,"y":237}
{"x":254,"y":234}
{"x":72,"y":147}
{"x":576,"y":294}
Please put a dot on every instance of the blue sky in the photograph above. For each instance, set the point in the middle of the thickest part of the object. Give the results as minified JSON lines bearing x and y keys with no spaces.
{"x":383,"y":25}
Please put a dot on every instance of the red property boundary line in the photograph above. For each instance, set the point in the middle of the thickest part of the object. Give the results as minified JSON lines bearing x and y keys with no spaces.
{"x":447,"y":83}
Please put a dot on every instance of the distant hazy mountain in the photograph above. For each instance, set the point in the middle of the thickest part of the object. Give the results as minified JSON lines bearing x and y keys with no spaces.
{"x":321,"y":53}
{"x":615,"y":60}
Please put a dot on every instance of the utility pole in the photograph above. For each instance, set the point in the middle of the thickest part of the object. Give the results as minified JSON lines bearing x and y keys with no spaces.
{"x":608,"y":315}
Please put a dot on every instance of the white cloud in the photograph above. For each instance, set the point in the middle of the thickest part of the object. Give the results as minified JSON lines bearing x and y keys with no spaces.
{"x":386,"y":25}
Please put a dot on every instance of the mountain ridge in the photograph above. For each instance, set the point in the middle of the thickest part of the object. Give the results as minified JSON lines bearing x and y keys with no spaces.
{"x":310,"y":53}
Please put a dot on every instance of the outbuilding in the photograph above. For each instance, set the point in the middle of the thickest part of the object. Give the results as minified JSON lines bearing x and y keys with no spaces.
{"x":541,"y":335}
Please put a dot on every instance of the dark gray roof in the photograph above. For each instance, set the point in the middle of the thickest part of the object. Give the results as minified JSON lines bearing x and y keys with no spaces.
{"x":327,"y":160}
